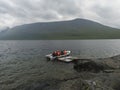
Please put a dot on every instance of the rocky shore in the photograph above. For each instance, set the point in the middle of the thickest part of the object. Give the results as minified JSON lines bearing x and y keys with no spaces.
{"x":86,"y":74}
{"x":105,"y":73}
{"x":94,"y":74}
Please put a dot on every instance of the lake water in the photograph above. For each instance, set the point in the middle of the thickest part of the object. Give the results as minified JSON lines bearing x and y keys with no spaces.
{"x":23,"y":65}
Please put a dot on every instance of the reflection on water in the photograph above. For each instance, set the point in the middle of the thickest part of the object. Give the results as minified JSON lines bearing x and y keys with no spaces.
{"x":22,"y":63}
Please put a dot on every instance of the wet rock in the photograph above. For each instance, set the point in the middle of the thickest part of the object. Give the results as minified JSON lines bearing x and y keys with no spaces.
{"x":108,"y":71}
{"x":117,"y":57}
{"x":90,"y":66}
{"x":40,"y":85}
{"x":77,"y":84}
{"x":105,"y":73}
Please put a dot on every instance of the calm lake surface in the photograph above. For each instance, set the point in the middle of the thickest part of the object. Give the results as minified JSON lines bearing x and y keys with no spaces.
{"x":23,"y":63}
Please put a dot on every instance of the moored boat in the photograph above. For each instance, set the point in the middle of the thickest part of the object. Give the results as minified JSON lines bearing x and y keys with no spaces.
{"x":58,"y":54}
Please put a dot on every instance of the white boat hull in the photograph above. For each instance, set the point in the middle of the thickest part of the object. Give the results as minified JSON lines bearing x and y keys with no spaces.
{"x":63,"y":58}
{"x":51,"y":57}
{"x":67,"y":59}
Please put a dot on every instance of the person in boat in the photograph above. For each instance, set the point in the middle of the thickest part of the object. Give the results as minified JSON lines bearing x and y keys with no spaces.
{"x":64,"y":52}
{"x":58,"y":53}
{"x":54,"y":53}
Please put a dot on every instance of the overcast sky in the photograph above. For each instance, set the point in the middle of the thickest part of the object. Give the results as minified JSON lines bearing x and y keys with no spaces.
{"x":17,"y":12}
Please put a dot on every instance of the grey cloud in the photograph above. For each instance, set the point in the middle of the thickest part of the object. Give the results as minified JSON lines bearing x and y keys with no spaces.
{"x":64,"y":7}
{"x":4,"y":7}
{"x":109,"y":15}
{"x":104,"y":11}
{"x":44,"y":9}
{"x":29,"y":11}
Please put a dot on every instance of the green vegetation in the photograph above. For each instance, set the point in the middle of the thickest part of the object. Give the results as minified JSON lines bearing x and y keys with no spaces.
{"x":74,"y":29}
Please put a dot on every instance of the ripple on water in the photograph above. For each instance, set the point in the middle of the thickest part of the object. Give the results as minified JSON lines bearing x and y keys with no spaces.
{"x":23,"y":66}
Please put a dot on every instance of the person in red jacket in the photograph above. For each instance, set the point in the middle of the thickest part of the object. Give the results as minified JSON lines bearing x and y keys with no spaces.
{"x":56,"y":53}
{"x":64,"y":52}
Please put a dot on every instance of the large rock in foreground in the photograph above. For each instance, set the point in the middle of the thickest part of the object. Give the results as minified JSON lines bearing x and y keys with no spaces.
{"x":105,"y":73}
{"x":104,"y":65}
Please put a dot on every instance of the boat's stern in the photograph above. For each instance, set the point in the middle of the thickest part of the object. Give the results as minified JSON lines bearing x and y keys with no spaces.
{"x":49,"y":57}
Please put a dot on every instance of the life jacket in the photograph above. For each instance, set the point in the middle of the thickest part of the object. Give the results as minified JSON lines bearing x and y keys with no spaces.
{"x":64,"y":52}
{"x":58,"y":53}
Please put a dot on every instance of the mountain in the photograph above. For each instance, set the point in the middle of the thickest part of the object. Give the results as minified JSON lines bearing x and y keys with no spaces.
{"x":72,"y":29}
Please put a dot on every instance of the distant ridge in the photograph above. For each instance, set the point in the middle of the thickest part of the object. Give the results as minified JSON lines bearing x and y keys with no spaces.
{"x":71,"y":29}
